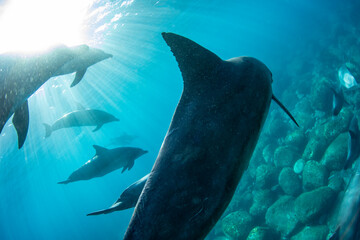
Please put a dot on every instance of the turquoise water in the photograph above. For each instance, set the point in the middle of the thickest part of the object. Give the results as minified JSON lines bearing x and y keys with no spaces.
{"x":141,"y":86}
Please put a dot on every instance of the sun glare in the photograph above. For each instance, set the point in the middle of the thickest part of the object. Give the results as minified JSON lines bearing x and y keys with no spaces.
{"x":39,"y":24}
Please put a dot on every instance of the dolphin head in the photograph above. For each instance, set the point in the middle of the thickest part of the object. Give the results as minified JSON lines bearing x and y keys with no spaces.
{"x":110,"y":118}
{"x":99,"y":55}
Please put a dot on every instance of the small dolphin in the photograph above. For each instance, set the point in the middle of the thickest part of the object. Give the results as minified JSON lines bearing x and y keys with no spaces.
{"x":86,"y":117}
{"x":208,"y":146}
{"x":338,"y":100}
{"x":20,"y":77}
{"x":123,"y":139}
{"x":353,"y":143}
{"x":106,"y":161}
{"x":349,"y":213}
{"x":127,"y":199}
{"x":345,"y":77}
{"x":84,"y":58}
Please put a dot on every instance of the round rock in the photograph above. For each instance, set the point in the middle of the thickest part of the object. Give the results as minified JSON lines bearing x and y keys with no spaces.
{"x":237,"y":225}
{"x":290,"y":182}
{"x":315,"y":175}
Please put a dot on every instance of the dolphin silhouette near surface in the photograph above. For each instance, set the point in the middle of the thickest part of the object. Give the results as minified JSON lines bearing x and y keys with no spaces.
{"x":106,"y":161}
{"x":208,"y":146}
{"x":85,"y":56}
{"x":127,"y":199}
{"x":84,"y":117}
{"x":20,"y":77}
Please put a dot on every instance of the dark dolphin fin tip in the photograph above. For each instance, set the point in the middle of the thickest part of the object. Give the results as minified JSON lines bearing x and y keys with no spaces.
{"x":100,"y":150}
{"x":21,"y":122}
{"x":79,"y":75}
{"x":285,"y":110}
{"x":193,"y":59}
{"x":64,"y":182}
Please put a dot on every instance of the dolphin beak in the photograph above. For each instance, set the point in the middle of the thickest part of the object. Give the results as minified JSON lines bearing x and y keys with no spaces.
{"x":117,"y":120}
{"x":284,"y":108}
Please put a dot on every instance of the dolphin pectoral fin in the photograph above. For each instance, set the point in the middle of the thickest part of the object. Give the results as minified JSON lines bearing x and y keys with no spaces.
{"x":130,"y":166}
{"x":100,"y":150}
{"x":97,"y":128}
{"x":105,"y":211}
{"x":21,"y":122}
{"x":79,"y":75}
{"x":192,"y":58}
{"x":284,"y":108}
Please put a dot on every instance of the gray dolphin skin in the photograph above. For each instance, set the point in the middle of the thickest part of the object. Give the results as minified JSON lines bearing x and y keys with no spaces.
{"x":127,"y":199}
{"x":208,"y":146}
{"x":106,"y":161}
{"x":20,"y":77}
{"x":349,"y":213}
{"x":353,"y":143}
{"x":86,"y":117}
{"x":84,"y":58}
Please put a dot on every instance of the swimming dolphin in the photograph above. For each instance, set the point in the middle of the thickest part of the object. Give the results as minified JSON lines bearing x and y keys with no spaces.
{"x":208,"y":146}
{"x":349,"y":213}
{"x":123,"y":139}
{"x":338,"y":100}
{"x":86,"y":117}
{"x":84,"y":58}
{"x":20,"y":77}
{"x":105,"y":161}
{"x":353,"y":143}
{"x":127,"y":199}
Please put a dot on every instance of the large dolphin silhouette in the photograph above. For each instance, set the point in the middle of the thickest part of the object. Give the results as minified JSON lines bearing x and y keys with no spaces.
{"x":85,"y":117}
{"x":84,"y":58}
{"x":20,"y":77}
{"x":105,"y":161}
{"x":208,"y":146}
{"x":127,"y":199}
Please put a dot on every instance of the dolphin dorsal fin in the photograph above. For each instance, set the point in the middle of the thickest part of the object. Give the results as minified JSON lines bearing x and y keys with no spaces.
{"x":195,"y":61}
{"x":100,"y":150}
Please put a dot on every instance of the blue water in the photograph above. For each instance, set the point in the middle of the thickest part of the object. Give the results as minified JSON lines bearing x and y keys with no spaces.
{"x":141,"y":86}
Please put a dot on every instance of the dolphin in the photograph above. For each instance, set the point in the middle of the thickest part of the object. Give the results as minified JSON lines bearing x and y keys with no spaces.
{"x":84,"y":58}
{"x":106,"y":161}
{"x":127,"y":199}
{"x":338,"y":100}
{"x":85,"y":117}
{"x":349,"y":213}
{"x":208,"y":146}
{"x":353,"y":143}
{"x":20,"y":76}
{"x":122,"y":139}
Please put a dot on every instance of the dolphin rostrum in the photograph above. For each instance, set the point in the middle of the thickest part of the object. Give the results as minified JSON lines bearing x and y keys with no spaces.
{"x":127,"y":199}
{"x":208,"y":146}
{"x":353,"y":143}
{"x":20,"y":77}
{"x":84,"y":58}
{"x":106,"y":161}
{"x":85,"y":117}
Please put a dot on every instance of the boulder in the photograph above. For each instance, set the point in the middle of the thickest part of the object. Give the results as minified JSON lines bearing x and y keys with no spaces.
{"x":336,"y":183}
{"x":312,"y":233}
{"x":335,"y":155}
{"x":285,"y":156}
{"x":281,"y":216}
{"x":299,"y":166}
{"x":262,"y":233}
{"x":315,"y":175}
{"x":263,"y":198}
{"x":321,"y":95}
{"x":237,"y":225}
{"x":290,"y":182}
{"x":311,"y":205}
{"x":296,"y":139}
{"x":266,"y":176}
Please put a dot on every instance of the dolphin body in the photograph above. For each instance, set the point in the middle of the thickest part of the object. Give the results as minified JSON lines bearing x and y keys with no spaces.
{"x":127,"y":199}
{"x":85,"y":117}
{"x":20,"y":77}
{"x":84,"y":58}
{"x":106,"y":161}
{"x":208,"y":146}
{"x":338,"y":100}
{"x":353,"y":143}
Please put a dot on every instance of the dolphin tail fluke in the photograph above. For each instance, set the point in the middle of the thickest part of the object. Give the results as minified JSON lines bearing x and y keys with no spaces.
{"x":79,"y":75}
{"x":64,"y":182}
{"x":106,"y":211}
{"x":48,"y":130}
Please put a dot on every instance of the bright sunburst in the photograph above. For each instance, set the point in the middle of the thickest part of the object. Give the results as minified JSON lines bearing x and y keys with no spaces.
{"x":39,"y":24}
